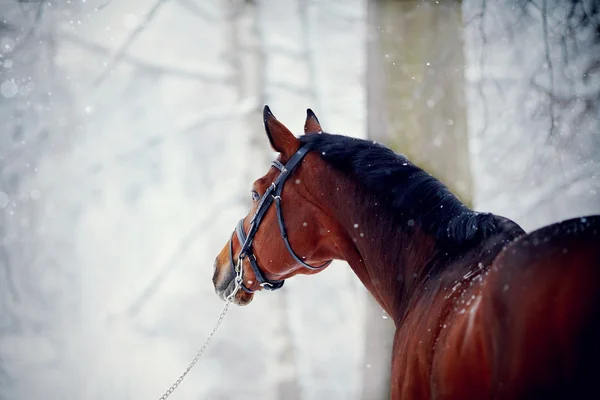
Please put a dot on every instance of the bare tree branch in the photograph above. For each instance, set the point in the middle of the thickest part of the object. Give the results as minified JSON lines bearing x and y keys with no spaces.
{"x":8,"y":275}
{"x":259,"y":32}
{"x":276,"y":48}
{"x":155,"y":284}
{"x":207,"y":77}
{"x":481,"y":82}
{"x":571,"y":177}
{"x":592,"y":69}
{"x":312,"y":85}
{"x":234,"y":56}
{"x":206,"y":117}
{"x":153,"y":287}
{"x":103,"y":5}
{"x":544,"y":13}
{"x":291,"y":87}
{"x":199,"y":11}
{"x":336,"y":13}
{"x":32,"y":29}
{"x":118,"y":55}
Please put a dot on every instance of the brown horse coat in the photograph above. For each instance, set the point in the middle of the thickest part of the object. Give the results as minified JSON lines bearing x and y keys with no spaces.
{"x":482,"y":309}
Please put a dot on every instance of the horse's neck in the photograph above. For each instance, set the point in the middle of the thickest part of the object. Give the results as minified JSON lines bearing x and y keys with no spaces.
{"x":392,"y":268}
{"x":396,"y":264}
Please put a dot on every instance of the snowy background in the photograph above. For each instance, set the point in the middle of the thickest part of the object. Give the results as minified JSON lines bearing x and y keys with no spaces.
{"x":130,"y":133}
{"x":127,"y":158}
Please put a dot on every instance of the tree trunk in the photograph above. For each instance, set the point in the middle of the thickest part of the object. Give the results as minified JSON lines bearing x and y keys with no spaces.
{"x":248,"y":55}
{"x":36,"y":119}
{"x":415,"y":106}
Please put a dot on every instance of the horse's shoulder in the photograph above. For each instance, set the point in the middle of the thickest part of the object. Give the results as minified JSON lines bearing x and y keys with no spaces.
{"x":558,"y":238}
{"x":541,"y":289}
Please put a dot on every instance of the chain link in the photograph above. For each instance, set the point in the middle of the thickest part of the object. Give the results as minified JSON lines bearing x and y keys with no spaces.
{"x":238,"y":281}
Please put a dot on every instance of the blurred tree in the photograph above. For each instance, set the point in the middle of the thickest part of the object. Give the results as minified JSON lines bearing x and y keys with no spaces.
{"x":534,"y":101}
{"x":248,"y":59}
{"x":416,"y":106}
{"x":33,"y":107}
{"x":166,"y":84}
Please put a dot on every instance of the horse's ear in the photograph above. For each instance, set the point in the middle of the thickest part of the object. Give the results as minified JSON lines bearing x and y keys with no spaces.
{"x":282,"y":140}
{"x":312,"y":124}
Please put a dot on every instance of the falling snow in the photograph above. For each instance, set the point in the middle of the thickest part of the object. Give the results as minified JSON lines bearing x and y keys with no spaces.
{"x":9,"y":89}
{"x":115,"y":174}
{"x":128,"y":143}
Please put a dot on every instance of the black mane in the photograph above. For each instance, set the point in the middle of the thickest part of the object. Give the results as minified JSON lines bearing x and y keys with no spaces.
{"x":410,"y":195}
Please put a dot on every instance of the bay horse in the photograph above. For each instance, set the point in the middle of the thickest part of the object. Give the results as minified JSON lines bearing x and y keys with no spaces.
{"x":482,"y":309}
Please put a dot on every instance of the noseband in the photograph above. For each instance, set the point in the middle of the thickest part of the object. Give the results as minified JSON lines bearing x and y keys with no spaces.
{"x":272,"y":194}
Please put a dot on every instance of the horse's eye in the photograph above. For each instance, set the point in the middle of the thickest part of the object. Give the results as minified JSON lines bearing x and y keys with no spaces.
{"x":255,"y":195}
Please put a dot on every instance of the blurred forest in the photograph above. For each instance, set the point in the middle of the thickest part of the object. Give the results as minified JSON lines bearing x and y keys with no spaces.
{"x":130,"y":132}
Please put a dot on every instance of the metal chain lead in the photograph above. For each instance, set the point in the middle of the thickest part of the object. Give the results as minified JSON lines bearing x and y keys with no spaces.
{"x":238,"y":282}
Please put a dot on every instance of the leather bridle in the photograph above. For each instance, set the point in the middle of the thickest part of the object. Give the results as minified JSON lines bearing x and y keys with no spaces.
{"x":273,"y":193}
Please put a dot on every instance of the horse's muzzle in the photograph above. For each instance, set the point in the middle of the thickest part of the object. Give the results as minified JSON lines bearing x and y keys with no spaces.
{"x":224,"y":283}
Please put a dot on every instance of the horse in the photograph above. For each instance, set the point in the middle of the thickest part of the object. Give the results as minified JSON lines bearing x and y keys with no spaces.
{"x":482,"y":309}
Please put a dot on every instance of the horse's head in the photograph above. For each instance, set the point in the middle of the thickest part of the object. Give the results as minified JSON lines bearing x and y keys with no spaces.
{"x":286,"y":231}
